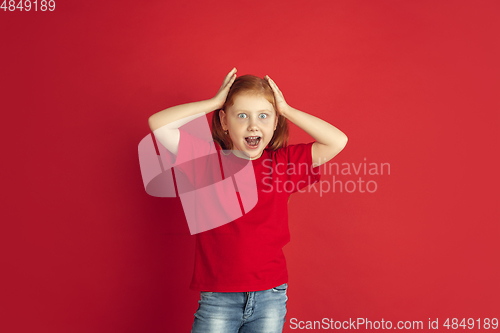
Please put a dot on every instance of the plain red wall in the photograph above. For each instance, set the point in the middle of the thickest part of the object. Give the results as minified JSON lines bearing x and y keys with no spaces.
{"x":411,"y":83}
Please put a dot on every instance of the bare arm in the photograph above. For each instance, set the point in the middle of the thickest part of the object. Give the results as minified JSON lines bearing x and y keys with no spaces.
{"x":178,"y":115}
{"x":165,"y":124}
{"x":329,"y":140}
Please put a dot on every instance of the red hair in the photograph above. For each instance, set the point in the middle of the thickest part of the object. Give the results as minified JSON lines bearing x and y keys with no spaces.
{"x":254,"y":85}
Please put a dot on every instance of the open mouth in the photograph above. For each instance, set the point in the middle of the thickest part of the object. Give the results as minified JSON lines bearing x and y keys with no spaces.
{"x":252,"y":141}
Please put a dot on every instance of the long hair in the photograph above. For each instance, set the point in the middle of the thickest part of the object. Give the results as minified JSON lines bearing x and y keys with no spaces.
{"x":250,"y":84}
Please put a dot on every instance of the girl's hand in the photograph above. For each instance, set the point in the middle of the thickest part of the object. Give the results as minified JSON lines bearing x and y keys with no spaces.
{"x":281,"y":105}
{"x":220,"y":97}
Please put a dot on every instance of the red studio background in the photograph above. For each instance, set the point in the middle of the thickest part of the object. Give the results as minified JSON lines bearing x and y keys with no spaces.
{"x":413,"y":84}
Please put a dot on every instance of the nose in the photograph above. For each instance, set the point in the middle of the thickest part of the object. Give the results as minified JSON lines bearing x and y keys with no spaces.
{"x":252,"y":124}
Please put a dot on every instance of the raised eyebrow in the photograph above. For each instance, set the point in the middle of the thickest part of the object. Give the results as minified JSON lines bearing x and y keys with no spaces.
{"x":255,"y":111}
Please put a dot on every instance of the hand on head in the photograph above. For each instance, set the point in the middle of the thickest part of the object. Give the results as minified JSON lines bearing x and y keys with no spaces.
{"x":281,"y":105}
{"x":221,"y":95}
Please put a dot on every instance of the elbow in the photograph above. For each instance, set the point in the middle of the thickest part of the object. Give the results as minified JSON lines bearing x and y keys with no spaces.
{"x":338,"y":146}
{"x":338,"y":143}
{"x":151,"y":124}
{"x":339,"y":139}
{"x":343,"y":142}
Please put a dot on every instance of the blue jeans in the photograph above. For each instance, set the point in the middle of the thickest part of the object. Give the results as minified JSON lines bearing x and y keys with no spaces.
{"x":241,"y":312}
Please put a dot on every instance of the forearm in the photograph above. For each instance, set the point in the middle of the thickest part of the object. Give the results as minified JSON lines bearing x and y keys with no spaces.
{"x":178,"y":115}
{"x":320,"y":130}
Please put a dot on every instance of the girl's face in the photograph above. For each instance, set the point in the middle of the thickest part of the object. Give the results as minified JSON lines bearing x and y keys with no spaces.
{"x":250,"y":123}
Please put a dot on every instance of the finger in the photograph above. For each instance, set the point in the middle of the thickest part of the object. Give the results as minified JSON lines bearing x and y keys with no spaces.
{"x":273,"y":84}
{"x":234,"y":70}
{"x":231,"y":81}
{"x":276,"y":92}
{"x":226,"y":79}
{"x":270,"y":82}
{"x":229,"y":75}
{"x":276,"y":86}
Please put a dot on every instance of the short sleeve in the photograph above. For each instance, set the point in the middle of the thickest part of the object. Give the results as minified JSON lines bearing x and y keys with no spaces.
{"x":196,"y":164}
{"x":191,"y":147}
{"x":300,"y":169}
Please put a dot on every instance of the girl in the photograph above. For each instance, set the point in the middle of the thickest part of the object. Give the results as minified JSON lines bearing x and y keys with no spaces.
{"x":240,"y":269}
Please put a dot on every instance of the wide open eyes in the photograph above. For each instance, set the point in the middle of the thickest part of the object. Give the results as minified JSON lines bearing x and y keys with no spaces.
{"x":244,"y":115}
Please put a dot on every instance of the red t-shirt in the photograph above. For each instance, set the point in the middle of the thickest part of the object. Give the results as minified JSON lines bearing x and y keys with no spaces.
{"x":246,"y":254}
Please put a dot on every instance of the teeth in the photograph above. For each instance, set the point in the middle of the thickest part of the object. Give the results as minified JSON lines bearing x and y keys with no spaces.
{"x":253,"y":140}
